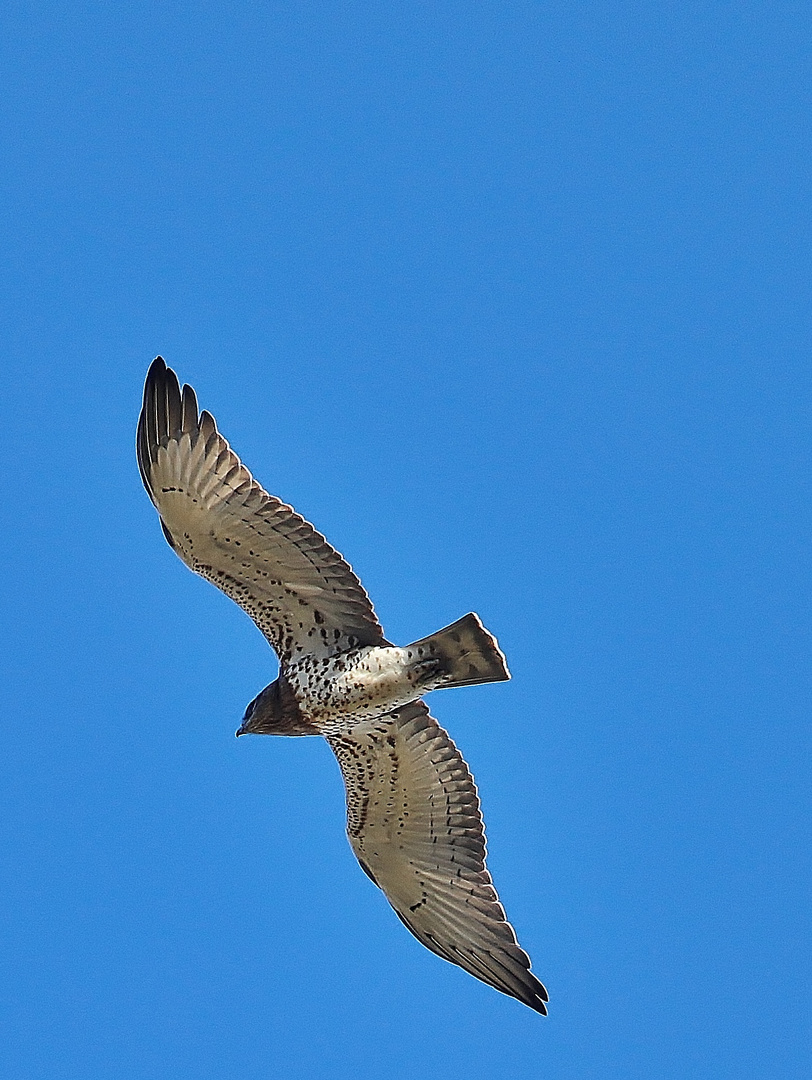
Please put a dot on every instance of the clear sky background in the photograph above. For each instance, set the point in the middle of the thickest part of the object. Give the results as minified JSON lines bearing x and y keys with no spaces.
{"x":511,"y":300}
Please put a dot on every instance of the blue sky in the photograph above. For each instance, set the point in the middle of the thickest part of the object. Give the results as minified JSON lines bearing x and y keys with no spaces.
{"x":512,"y":301}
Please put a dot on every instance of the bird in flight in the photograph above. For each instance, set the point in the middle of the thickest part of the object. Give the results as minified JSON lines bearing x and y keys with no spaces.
{"x":413,"y":816}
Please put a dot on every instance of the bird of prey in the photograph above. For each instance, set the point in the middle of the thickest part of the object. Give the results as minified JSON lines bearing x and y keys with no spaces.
{"x":413,"y":816}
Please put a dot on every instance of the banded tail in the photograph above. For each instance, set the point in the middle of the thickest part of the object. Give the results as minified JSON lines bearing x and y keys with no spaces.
{"x":468,"y":653}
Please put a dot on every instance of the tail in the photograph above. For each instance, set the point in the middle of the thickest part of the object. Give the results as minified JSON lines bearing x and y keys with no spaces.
{"x":467,"y":652}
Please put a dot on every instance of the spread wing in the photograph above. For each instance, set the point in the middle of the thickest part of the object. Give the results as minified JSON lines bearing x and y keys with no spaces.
{"x":414,"y":823}
{"x":298,"y":590}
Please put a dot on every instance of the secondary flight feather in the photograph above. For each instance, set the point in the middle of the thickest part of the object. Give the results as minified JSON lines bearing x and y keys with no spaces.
{"x":413,"y":815}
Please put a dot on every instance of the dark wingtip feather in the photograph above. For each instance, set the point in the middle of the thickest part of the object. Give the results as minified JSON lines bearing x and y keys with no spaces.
{"x":146,"y":436}
{"x":165,"y":414}
{"x":142,"y":453}
{"x":154,"y":393}
{"x":208,"y":428}
{"x":189,"y":410}
{"x":537,"y":995}
{"x":157,"y":367}
{"x":174,"y":408}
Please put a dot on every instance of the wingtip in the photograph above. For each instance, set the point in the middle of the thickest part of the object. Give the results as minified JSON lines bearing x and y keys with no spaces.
{"x":156,"y":373}
{"x":532,"y":993}
{"x":538,"y":997}
{"x":541,"y":1001}
{"x":165,"y":413}
{"x":159,"y":377}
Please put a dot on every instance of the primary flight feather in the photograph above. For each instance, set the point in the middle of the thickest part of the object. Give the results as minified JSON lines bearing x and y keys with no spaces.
{"x":413,"y":815}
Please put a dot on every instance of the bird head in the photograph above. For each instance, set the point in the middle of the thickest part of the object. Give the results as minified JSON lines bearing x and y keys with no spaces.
{"x":275,"y":711}
{"x":263,"y":714}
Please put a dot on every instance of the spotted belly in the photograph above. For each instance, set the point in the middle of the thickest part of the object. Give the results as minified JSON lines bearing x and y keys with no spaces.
{"x":358,"y":685}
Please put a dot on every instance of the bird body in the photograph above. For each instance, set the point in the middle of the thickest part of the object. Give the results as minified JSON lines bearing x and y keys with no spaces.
{"x":413,"y":816}
{"x":334,"y":692}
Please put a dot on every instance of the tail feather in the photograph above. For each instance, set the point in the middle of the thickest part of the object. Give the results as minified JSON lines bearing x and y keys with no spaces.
{"x":468,"y":653}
